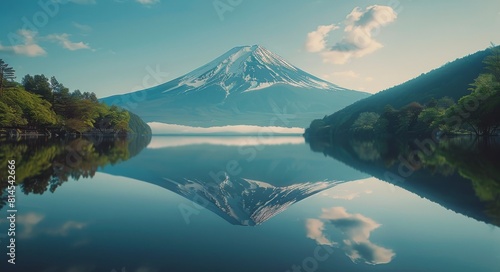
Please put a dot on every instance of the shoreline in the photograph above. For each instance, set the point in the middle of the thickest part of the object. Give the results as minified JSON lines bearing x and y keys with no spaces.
{"x":57,"y":133}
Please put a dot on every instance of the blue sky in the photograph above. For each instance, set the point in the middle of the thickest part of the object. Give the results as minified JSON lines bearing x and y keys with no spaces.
{"x":118,"y":46}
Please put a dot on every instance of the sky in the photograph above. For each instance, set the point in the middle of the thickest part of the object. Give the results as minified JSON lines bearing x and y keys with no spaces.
{"x":119,"y":46}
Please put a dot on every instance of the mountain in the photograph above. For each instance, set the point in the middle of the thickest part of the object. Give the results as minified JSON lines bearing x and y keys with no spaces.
{"x":242,"y":201}
{"x":222,"y":175}
{"x":451,"y":80}
{"x":248,"y":85}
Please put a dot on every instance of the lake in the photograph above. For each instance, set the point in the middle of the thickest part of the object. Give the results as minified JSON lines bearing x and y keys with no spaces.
{"x":251,"y":204}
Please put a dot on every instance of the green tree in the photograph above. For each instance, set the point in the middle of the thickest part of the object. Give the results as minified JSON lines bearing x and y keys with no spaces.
{"x":480,"y":110}
{"x":365,"y":123}
{"x":77,"y":94}
{"x":6,"y":74}
{"x":61,"y":98}
{"x":11,"y":116}
{"x":55,"y":85}
{"x":38,"y":84}
{"x":81,"y":114}
{"x":387,"y":123}
{"x":90,"y":96}
{"x":430,"y":115}
{"x":433,"y":114}
{"x":20,"y":108}
{"x":43,"y":103}
{"x":114,"y":117}
{"x":492,"y":62}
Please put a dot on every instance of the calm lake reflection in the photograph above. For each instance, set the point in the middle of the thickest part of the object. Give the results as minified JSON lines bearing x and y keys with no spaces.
{"x":249,"y":204}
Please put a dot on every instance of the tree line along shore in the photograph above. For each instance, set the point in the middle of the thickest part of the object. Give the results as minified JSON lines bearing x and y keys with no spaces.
{"x":39,"y":106}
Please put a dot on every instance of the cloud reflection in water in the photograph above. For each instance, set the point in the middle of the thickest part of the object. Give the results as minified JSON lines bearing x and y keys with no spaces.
{"x":356,"y":228}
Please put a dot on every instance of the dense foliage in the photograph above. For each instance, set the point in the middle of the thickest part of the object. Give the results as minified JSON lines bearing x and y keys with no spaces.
{"x":418,"y":138}
{"x":443,"y":100}
{"x":46,"y":104}
{"x":43,"y":164}
{"x":6,"y":74}
{"x":460,"y":173}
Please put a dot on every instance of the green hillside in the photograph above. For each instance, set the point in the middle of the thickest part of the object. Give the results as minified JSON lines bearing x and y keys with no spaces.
{"x":43,"y":106}
{"x":433,"y":93}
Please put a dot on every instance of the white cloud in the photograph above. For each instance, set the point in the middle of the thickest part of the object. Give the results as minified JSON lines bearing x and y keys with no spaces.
{"x":346,"y":196}
{"x":357,"y":228}
{"x":63,"y":40}
{"x":68,"y":226}
{"x":360,"y":28}
{"x":346,"y":74}
{"x":163,"y":142}
{"x":82,"y":27}
{"x":29,"y":47}
{"x":368,"y":252}
{"x":346,"y":78}
{"x":147,"y":2}
{"x":315,"y":230}
{"x":316,"y":40}
{"x":30,"y":226}
{"x":28,"y":222}
{"x":163,"y":128}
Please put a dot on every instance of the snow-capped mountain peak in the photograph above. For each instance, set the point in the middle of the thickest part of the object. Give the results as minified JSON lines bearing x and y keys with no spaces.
{"x":248,"y":68}
{"x":244,"y":86}
{"x":243,"y":201}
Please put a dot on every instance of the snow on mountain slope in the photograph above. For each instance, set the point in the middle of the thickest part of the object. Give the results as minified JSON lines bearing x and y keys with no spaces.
{"x":243,"y":201}
{"x":247,"y":85}
{"x":249,"y":68}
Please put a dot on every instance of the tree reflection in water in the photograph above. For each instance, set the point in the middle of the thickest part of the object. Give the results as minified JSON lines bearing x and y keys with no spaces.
{"x":45,"y":164}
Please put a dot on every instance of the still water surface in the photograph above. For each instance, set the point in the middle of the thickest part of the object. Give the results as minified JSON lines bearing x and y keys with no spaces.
{"x":241,"y":204}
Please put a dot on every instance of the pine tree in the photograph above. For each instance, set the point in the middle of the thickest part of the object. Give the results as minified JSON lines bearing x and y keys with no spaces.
{"x":6,"y":73}
{"x":492,"y":62}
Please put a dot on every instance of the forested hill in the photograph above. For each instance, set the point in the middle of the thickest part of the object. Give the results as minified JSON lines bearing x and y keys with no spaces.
{"x":451,"y":81}
{"x":45,"y":106}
